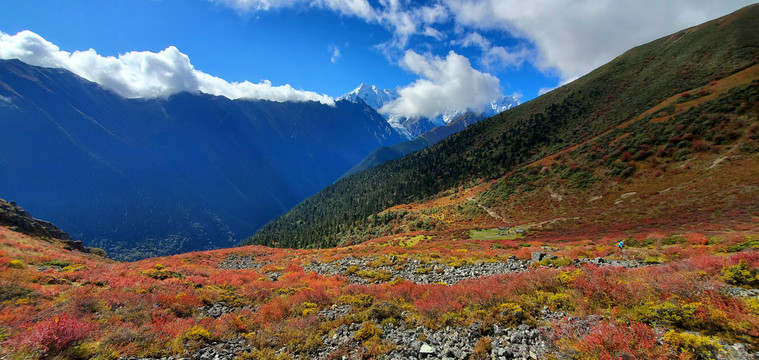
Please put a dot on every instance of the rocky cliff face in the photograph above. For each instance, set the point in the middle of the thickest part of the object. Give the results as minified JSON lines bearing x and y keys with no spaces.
{"x":15,"y":218}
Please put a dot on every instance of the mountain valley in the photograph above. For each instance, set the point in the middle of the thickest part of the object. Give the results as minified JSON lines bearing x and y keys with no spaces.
{"x":141,"y":177}
{"x":615,"y":217}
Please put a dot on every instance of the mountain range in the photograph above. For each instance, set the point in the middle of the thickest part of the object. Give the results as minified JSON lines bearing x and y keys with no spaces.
{"x":413,"y":127}
{"x":142,"y":177}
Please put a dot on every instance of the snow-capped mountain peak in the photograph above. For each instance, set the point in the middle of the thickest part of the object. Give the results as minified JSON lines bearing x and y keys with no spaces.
{"x":410,"y":128}
{"x":371,"y":95}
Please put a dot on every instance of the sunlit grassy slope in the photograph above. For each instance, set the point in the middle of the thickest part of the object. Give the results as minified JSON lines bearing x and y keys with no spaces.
{"x":619,"y":91}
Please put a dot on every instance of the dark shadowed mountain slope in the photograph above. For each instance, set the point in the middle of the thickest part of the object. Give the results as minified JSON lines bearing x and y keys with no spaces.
{"x":615,"y":93}
{"x":143,"y":177}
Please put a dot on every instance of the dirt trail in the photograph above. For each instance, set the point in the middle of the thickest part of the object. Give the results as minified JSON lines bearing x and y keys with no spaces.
{"x":488,"y":210}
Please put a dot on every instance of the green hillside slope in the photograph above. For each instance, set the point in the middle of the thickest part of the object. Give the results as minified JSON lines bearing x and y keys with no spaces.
{"x":617,"y":92}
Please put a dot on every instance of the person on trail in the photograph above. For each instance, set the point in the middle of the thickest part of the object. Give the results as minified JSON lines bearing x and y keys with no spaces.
{"x":621,"y":244}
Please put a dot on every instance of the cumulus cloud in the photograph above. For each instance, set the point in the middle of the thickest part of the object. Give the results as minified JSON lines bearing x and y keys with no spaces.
{"x":143,"y":74}
{"x":572,"y":37}
{"x":444,"y":84}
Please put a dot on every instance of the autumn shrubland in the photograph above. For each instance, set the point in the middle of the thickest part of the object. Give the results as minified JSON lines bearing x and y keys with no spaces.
{"x":682,"y":303}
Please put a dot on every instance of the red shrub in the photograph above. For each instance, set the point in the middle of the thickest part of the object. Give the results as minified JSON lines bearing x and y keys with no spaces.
{"x":317,"y":295}
{"x":438,"y":302}
{"x":56,"y":334}
{"x":273,"y":311}
{"x":619,"y":341}
{"x":407,"y":291}
{"x":604,"y":287}
{"x":700,"y":145}
{"x":750,"y":257}
{"x":708,"y":263}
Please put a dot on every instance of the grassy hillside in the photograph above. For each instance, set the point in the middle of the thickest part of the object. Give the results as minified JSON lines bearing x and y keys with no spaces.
{"x":619,"y":91}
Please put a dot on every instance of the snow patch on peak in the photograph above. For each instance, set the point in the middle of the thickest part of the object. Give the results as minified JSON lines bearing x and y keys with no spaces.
{"x":376,"y":98}
{"x":371,"y":95}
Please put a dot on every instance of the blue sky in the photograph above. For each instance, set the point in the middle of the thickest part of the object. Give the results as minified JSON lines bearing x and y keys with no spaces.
{"x":436,"y":50}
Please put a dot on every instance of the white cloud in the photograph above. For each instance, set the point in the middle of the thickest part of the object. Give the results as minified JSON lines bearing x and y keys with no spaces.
{"x":565,"y":37}
{"x":358,"y":8}
{"x":445,"y":84}
{"x":433,"y":14}
{"x":398,"y":16}
{"x":499,"y":56}
{"x":143,"y":74}
{"x":433,"y":33}
{"x":494,"y":56}
{"x":334,"y":50}
{"x":545,"y":90}
{"x":473,"y":39}
{"x":573,"y":37}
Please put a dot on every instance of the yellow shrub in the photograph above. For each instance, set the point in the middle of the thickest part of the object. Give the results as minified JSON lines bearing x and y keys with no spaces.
{"x":351,"y":270}
{"x":73,"y":267}
{"x":368,"y":330}
{"x":554,"y":301}
{"x":287,"y":291}
{"x":17,"y":264}
{"x":557,"y":263}
{"x":198,"y":333}
{"x":753,"y":305}
{"x":23,"y":301}
{"x":380,"y":261}
{"x":457,"y":262}
{"x":312,"y":344}
{"x":358,"y":301}
{"x":741,"y":274}
{"x":567,"y":277}
{"x":512,"y":313}
{"x":307,"y":308}
{"x":378,"y":275}
{"x":653,"y":260}
{"x":453,"y":318}
{"x":683,"y":315}
{"x":191,"y":339}
{"x":693,"y":346}
{"x":482,"y":349}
